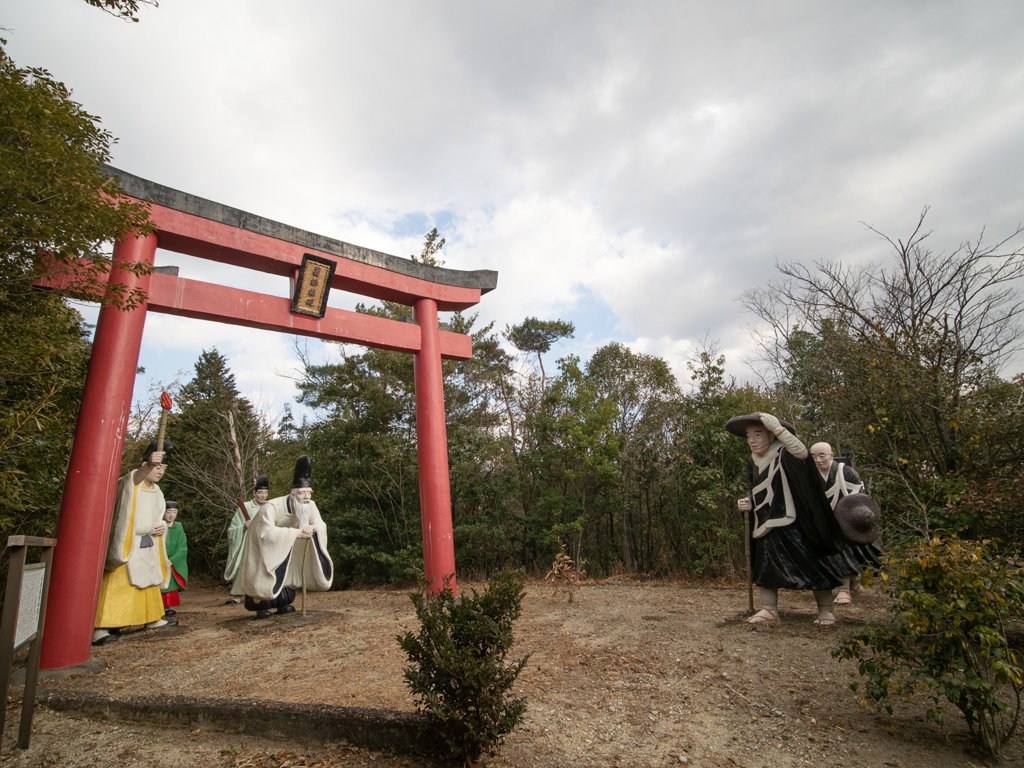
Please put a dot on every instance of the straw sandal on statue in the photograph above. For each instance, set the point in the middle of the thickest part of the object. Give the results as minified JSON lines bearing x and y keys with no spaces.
{"x":765,"y":616}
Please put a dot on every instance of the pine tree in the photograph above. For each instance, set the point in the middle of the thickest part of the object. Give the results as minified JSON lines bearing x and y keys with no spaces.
{"x":219,"y":440}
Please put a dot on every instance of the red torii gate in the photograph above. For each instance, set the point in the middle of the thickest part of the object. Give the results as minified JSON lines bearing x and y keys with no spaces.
{"x":197,"y":227}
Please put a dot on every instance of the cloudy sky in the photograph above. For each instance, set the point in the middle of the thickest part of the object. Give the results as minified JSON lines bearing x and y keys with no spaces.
{"x":629,"y":166}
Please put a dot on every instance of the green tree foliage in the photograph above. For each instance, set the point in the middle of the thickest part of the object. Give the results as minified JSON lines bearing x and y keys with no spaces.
{"x":459,"y":669}
{"x":363,"y":442}
{"x":55,"y":204}
{"x":646,"y":399}
{"x":946,"y":636}
{"x":636,"y":474}
{"x":706,"y":470}
{"x":363,"y":447}
{"x":122,"y":9}
{"x":43,"y":363}
{"x":575,"y":454}
{"x":54,"y":198}
{"x":538,"y":336}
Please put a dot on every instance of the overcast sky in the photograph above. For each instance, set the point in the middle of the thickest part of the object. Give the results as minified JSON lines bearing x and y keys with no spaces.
{"x":630,"y":166}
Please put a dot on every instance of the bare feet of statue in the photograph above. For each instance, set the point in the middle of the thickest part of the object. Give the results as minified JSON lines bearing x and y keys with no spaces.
{"x":843,"y":597}
{"x":825,"y":617}
{"x":765,"y":616}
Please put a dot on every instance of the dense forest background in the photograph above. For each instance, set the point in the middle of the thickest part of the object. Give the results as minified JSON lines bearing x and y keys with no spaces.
{"x":630,"y":470}
{"x":613,"y":459}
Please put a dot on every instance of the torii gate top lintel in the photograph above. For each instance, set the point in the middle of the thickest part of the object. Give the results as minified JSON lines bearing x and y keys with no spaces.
{"x":244,"y":239}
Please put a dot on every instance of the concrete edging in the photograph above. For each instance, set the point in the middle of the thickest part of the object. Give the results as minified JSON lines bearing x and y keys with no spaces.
{"x":377,"y":729}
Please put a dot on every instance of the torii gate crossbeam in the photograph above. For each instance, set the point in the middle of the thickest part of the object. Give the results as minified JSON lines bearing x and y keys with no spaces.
{"x":197,"y":227}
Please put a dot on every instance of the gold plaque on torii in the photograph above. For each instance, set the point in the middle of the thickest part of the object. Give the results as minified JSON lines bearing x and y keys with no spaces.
{"x":313,"y":285}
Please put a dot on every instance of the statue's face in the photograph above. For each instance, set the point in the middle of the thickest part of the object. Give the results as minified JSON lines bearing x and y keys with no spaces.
{"x":170,"y":514}
{"x":303,"y":494}
{"x":822,"y":455}
{"x":157,"y":472}
{"x":759,"y":439}
{"x":261,"y":496}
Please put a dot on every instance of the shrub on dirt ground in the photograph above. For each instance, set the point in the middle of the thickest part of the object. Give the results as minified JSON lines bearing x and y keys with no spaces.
{"x":457,"y":664}
{"x":564,"y":576}
{"x":946,"y":636}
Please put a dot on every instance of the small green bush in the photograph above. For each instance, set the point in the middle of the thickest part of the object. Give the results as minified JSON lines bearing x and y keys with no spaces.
{"x":457,"y":664}
{"x":946,"y":636}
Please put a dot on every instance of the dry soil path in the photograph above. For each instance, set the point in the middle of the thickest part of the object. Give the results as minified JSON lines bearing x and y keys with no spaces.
{"x":630,"y":674}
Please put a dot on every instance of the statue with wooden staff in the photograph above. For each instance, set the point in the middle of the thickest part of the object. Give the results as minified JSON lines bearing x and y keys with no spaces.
{"x":137,"y":567}
{"x":237,"y":532}
{"x":285,"y":549}
{"x":794,"y":530}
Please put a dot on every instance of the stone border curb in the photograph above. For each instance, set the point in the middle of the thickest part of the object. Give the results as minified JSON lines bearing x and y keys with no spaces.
{"x":376,"y":729}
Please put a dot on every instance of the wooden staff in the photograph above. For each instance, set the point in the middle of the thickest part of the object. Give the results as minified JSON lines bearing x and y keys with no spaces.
{"x":165,"y":405}
{"x":244,"y":509}
{"x":238,"y":462}
{"x":305,"y":551}
{"x":750,"y":568}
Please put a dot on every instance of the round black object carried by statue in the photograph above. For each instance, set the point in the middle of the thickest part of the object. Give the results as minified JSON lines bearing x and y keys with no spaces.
{"x":857,"y":515}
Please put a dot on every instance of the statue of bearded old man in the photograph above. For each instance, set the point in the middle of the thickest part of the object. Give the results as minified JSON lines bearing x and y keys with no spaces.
{"x":286,"y":548}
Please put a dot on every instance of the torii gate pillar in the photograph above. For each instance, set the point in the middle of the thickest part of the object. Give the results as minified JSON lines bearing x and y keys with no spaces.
{"x":432,"y":439}
{"x":88,"y":502}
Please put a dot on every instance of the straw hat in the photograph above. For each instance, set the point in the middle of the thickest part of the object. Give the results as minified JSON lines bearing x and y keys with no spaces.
{"x":738,"y":424}
{"x":857,"y":514}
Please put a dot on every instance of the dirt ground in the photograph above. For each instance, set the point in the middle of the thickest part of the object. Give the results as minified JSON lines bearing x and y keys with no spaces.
{"x":630,"y":674}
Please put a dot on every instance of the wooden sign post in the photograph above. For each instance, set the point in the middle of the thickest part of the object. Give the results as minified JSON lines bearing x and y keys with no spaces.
{"x":23,"y":619}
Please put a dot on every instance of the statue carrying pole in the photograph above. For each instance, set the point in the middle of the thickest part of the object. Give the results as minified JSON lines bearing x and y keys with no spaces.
{"x":165,"y":405}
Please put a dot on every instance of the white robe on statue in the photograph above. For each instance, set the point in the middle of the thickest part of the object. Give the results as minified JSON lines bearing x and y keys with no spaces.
{"x":273,"y":555}
{"x":139,"y":509}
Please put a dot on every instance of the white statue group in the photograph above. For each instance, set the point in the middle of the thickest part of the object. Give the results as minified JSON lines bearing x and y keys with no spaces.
{"x":811,"y":526}
{"x":278,"y":546}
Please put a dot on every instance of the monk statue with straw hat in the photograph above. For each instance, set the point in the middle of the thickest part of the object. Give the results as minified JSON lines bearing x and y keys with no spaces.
{"x":793,"y":528}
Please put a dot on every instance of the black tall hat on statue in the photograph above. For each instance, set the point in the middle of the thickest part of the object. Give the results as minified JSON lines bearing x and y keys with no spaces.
{"x":172,"y":505}
{"x":151,"y":448}
{"x":302,"y":477}
{"x":262,"y":483}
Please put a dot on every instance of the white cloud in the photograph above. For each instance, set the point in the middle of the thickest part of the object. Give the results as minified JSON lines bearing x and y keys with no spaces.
{"x":655,"y":158}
